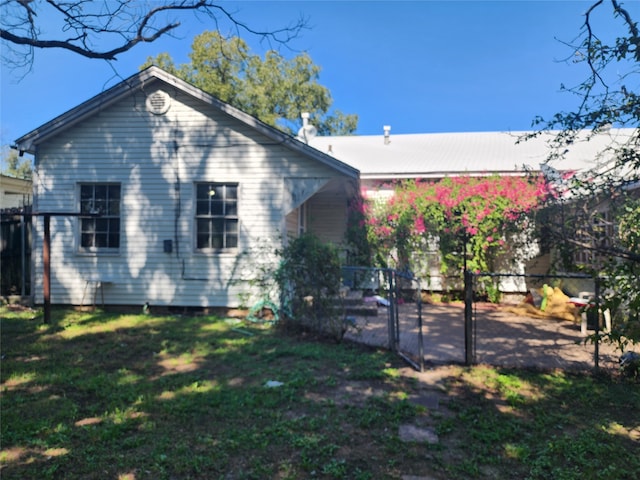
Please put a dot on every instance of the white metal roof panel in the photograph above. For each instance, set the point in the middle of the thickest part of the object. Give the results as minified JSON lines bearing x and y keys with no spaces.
{"x":440,"y":154}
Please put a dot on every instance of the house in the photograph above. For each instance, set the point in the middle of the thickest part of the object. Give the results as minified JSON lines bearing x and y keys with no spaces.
{"x":384,"y":159}
{"x":161,"y":193}
{"x":15,"y":193}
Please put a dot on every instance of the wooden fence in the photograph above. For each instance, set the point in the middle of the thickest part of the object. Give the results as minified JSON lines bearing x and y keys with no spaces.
{"x":15,"y":253}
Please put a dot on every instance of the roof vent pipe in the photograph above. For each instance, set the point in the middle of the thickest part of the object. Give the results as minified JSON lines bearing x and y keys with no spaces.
{"x":387,"y":129}
{"x":307,"y":132}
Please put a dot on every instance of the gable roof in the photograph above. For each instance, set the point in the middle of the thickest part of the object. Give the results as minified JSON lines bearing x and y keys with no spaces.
{"x":434,"y":155}
{"x":29,"y":142}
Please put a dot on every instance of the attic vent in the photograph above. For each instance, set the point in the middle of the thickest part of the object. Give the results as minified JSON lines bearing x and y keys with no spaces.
{"x":158,"y":102}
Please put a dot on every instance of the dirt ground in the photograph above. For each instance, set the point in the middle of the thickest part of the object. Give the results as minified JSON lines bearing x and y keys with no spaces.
{"x":501,"y":338}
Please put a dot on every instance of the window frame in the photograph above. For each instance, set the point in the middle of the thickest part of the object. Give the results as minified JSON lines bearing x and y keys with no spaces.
{"x":227,"y":201}
{"x":602,"y":229}
{"x":96,"y":216}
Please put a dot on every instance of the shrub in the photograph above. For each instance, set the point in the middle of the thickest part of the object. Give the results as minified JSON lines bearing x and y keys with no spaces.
{"x":309,"y":280}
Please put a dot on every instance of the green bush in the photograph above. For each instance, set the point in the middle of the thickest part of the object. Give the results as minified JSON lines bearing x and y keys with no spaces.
{"x":309,"y":280}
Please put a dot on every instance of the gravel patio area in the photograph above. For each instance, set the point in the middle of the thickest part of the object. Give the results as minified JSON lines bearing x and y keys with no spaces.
{"x":501,"y":338}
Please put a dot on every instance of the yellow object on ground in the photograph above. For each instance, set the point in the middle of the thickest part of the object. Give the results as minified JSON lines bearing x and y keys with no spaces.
{"x":557,"y":305}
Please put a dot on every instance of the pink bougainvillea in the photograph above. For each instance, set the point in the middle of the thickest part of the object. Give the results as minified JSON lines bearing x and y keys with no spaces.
{"x":480,"y":212}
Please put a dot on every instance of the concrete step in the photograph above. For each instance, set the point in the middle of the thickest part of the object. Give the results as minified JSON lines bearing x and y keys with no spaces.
{"x":362,"y":310}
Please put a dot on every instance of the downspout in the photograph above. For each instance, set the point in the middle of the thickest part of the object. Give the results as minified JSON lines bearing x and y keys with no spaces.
{"x":177,"y":201}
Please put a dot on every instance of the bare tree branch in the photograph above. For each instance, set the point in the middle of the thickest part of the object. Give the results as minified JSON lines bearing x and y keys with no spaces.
{"x":584,"y":221}
{"x":104,"y":30}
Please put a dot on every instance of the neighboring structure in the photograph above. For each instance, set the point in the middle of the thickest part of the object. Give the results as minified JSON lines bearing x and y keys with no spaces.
{"x":15,"y":193}
{"x":181,"y":197}
{"x":15,"y":236}
{"x":386,"y":158}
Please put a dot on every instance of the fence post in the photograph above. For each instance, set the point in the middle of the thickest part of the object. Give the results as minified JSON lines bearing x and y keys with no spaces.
{"x":468,"y":317}
{"x":392,"y":310}
{"x":420,"y":338}
{"x":23,"y":255}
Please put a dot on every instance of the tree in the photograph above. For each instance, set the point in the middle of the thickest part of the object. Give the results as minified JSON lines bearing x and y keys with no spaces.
{"x":274,"y":89}
{"x":104,"y":30}
{"x":600,"y":207}
{"x":16,"y":166}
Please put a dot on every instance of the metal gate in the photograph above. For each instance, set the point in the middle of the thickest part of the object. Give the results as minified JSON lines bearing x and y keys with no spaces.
{"x":374,"y":298}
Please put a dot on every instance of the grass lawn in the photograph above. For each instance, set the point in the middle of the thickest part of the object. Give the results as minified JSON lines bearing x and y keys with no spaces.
{"x":111,"y":396}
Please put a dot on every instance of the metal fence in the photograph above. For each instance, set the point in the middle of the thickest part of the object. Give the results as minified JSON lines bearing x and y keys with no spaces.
{"x":553,"y":323}
{"x":384,"y":309}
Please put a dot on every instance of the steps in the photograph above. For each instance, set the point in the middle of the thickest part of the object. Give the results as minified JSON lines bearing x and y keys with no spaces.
{"x":355,"y":306}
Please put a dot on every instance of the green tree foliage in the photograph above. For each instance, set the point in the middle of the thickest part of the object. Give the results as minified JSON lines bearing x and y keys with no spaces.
{"x":274,"y":89}
{"x":16,"y":166}
{"x":597,"y":211}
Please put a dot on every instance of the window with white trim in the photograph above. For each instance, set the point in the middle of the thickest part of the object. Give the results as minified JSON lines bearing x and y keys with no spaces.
{"x":100,"y":216}
{"x":216,"y":216}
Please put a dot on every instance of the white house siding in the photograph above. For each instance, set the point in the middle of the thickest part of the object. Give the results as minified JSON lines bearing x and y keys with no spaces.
{"x":292,"y":223}
{"x":14,"y":192}
{"x":327,"y":216}
{"x":157,"y":159}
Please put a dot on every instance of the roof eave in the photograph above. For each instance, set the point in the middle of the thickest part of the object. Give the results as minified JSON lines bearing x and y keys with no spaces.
{"x":28,"y":142}
{"x":441,"y":174}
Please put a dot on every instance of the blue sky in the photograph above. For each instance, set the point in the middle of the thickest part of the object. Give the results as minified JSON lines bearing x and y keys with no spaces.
{"x":420,"y":66}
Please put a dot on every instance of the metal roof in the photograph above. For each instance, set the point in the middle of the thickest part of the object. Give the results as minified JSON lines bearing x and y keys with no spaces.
{"x":471,"y":153}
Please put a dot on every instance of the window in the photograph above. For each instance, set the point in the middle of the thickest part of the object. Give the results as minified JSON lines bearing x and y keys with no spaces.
{"x":598,"y":233}
{"x":216,"y":216}
{"x":100,"y":229}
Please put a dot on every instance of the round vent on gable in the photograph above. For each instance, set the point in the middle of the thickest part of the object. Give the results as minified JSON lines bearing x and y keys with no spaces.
{"x":158,"y":102}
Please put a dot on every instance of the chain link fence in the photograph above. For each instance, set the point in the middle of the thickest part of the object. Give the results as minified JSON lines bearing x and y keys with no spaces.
{"x":552,"y":322}
{"x":546,"y":322}
{"x":384,"y":309}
